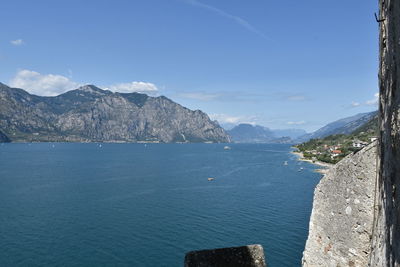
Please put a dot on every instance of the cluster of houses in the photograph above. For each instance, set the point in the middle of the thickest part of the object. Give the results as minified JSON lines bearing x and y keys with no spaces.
{"x":361,"y":144}
{"x":336,"y":150}
{"x":333,"y":151}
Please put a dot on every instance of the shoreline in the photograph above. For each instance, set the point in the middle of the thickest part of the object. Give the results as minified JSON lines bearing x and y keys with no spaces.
{"x":324,"y":170}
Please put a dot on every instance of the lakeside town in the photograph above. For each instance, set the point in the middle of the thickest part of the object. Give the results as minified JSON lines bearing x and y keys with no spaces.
{"x":334,"y":148}
{"x":331,"y":152}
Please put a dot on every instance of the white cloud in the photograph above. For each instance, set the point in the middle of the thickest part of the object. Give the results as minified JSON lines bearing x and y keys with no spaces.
{"x":139,"y":87}
{"x":373,"y":102}
{"x":42,"y":84}
{"x":224,"y":14}
{"x":17,"y":42}
{"x":296,"y":122}
{"x":200,"y":96}
{"x":224,"y":118}
{"x":53,"y":84}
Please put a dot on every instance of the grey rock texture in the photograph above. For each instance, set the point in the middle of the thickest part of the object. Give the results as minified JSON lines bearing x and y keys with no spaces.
{"x":386,"y":232}
{"x":246,"y":256}
{"x":3,"y":138}
{"x":89,"y":114}
{"x":342,"y":214}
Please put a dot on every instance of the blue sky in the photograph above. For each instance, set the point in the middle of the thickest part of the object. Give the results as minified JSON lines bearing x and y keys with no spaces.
{"x":281,"y":64}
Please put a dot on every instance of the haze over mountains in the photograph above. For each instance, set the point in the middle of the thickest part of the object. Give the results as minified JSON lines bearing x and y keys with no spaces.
{"x":342,"y":126}
{"x":247,"y":133}
{"x":90,"y":114}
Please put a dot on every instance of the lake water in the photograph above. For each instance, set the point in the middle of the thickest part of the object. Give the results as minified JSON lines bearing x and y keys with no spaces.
{"x":147,"y":205}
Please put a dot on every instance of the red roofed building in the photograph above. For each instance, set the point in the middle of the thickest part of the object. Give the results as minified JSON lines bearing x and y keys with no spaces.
{"x":336,"y":153}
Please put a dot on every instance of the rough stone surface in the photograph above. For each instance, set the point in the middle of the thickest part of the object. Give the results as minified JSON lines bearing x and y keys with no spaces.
{"x":90,"y":114}
{"x":246,"y":256}
{"x":386,"y":231}
{"x":4,"y":138}
{"x":342,"y":214}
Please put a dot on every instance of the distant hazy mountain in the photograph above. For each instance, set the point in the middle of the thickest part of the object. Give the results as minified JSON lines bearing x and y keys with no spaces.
{"x":342,"y":126}
{"x":292,"y":133}
{"x":247,"y":133}
{"x":282,"y":140}
{"x":228,"y":126}
{"x":90,"y":114}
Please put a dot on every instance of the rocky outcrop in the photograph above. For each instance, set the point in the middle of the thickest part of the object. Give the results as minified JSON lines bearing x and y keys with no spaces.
{"x":4,"y":138}
{"x":342,"y":214}
{"x":90,"y":114}
{"x":386,"y":232}
{"x":245,"y":256}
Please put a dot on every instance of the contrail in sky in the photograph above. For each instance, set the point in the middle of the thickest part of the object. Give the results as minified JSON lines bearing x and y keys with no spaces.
{"x":224,"y":14}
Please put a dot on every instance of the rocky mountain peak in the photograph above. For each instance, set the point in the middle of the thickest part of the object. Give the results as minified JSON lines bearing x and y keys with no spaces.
{"x":91,"y":89}
{"x":90,"y":114}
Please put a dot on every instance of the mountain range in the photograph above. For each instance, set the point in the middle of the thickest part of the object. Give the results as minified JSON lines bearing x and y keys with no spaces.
{"x":342,"y":126}
{"x":90,"y":114}
{"x":247,"y":133}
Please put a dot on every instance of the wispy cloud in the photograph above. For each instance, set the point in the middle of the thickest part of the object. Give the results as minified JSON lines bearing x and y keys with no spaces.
{"x":202,"y":96}
{"x":296,"y":98}
{"x":17,"y":42}
{"x":242,"y":22}
{"x":225,"y":118}
{"x":223,"y":96}
{"x":245,"y":95}
{"x":291,"y":96}
{"x":374,"y":101}
{"x":296,"y":122}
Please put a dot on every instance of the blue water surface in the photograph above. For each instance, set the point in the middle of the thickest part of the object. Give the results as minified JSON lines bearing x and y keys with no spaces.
{"x":147,"y":205}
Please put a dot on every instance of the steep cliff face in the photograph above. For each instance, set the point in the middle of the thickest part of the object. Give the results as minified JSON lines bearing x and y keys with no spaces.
{"x":386,"y":232}
{"x":3,"y":138}
{"x":91,"y":114}
{"x":341,"y":219}
{"x":385,"y":235}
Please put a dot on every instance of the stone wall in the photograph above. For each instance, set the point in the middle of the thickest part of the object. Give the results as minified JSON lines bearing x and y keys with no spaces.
{"x":341,"y":219}
{"x":386,"y":232}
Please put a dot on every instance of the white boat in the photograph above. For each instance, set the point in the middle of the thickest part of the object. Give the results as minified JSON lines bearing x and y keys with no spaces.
{"x":227,"y":148}
{"x":210,"y":179}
